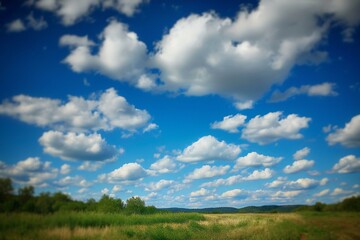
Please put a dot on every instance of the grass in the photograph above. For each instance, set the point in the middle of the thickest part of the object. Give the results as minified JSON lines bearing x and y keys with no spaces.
{"x":179,"y":226}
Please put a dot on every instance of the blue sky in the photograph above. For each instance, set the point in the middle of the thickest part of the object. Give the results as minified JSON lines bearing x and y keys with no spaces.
{"x":183,"y":103}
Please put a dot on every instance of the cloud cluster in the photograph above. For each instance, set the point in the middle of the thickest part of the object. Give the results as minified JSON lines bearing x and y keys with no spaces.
{"x":205,"y":54}
{"x":72,"y":11}
{"x":208,"y":171}
{"x":348,"y":164}
{"x":121,"y":55}
{"x":299,"y":184}
{"x":271,"y":127}
{"x":255,"y":159}
{"x":164,"y":165}
{"x":31,"y":171}
{"x":127,"y":172}
{"x":19,"y":25}
{"x":208,"y":148}
{"x":323,"y":89}
{"x":78,"y":114}
{"x":72,"y":146}
{"x":299,"y":165}
{"x":349,"y":136}
{"x":230,"y":123}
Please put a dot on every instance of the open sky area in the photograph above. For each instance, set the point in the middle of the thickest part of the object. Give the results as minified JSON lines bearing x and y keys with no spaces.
{"x":183,"y":103}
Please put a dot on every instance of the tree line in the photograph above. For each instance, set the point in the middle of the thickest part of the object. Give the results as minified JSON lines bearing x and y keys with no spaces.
{"x":351,"y":204}
{"x":26,"y":201}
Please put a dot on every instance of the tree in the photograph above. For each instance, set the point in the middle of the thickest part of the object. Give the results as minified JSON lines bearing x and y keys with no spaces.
{"x":110,"y":205}
{"x":135,"y":205}
{"x":5,"y":188}
{"x":319,"y":206}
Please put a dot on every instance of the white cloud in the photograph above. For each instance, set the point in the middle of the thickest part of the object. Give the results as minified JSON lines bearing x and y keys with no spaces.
{"x":270,"y":128}
{"x":72,"y":146}
{"x":339,"y":191}
{"x":286,"y":194}
{"x":120,"y":113}
{"x":69,"y":11}
{"x":157,"y":186}
{"x":208,"y":171}
{"x":164,"y":165}
{"x":73,"y":181}
{"x":65,"y":169}
{"x":151,"y":127}
{"x":90,"y":166}
{"x":127,"y":7}
{"x":200,"y":193}
{"x":257,"y":175}
{"x":349,"y":136}
{"x":302,"y":183}
{"x":230,"y":123}
{"x":322,"y":193}
{"x":16,"y":26}
{"x":244,"y":105}
{"x":224,"y":182}
{"x":254,"y":159}
{"x":128,"y":172}
{"x":347,"y":164}
{"x":300,"y":154}
{"x":116,"y":188}
{"x":78,"y":114}
{"x":31,"y":171}
{"x":323,"y":89}
{"x":235,"y":193}
{"x":121,"y":55}
{"x":75,"y":41}
{"x":243,"y":58}
{"x":208,"y":148}
{"x":299,"y":165}
{"x":279,"y":182}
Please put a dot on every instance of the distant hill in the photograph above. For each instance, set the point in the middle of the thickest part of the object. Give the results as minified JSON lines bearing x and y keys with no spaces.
{"x":250,"y":209}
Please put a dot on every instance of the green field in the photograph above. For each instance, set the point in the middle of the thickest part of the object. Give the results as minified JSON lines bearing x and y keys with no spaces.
{"x":304,"y":225}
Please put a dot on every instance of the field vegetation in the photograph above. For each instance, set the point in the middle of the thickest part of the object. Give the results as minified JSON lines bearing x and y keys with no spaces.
{"x":57,"y":216}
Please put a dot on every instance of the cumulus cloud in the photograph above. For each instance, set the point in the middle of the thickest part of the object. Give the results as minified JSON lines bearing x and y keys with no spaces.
{"x":339,"y":191}
{"x":75,"y":41}
{"x":349,"y":136}
{"x":258,"y":175}
{"x":286,"y":194}
{"x":235,"y":193}
{"x":322,"y":193}
{"x":224,"y":181}
{"x":254,"y":159}
{"x":157,"y":186}
{"x":300,"y":154}
{"x":302,"y":183}
{"x":244,"y":105}
{"x":164,"y":165}
{"x":299,"y":165}
{"x":279,"y":182}
{"x":271,"y":127}
{"x":230,"y":123}
{"x":72,"y":146}
{"x":121,"y":55}
{"x":323,"y":89}
{"x":73,"y":181}
{"x":200,"y":193}
{"x":16,"y":26}
{"x":78,"y":114}
{"x":208,"y":171}
{"x":19,"y":25}
{"x":127,"y":172}
{"x":347,"y":164}
{"x":65,"y":169}
{"x":208,"y":148}
{"x":91,"y":166}
{"x":242,"y":58}
{"x":71,"y":12}
{"x":31,"y":171}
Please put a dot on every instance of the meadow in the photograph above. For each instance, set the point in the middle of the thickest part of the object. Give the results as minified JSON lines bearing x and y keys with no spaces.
{"x":87,"y":225}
